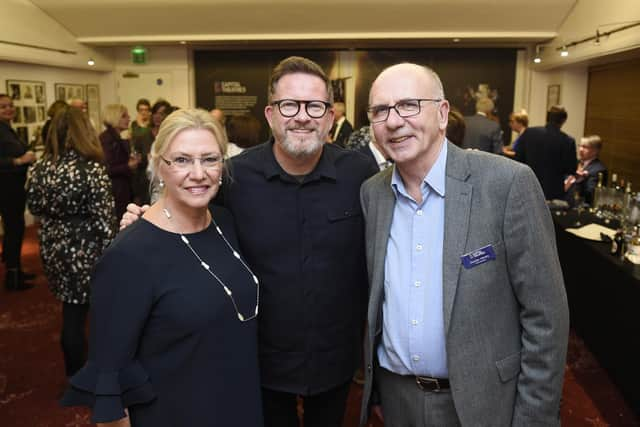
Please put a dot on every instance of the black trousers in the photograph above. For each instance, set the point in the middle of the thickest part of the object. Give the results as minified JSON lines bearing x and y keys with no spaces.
{"x":72,"y":337}
{"x":321,"y":410}
{"x":12,"y":201}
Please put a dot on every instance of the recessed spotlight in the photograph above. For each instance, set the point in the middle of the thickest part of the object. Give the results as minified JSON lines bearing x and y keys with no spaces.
{"x":456,"y":40}
{"x":183,"y":42}
{"x":537,"y":60}
{"x":91,"y":62}
{"x":564,"y":52}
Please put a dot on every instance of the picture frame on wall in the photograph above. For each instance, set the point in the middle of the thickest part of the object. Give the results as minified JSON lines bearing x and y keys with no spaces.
{"x":30,"y":101}
{"x":553,"y":95}
{"x":93,"y":104}
{"x":67,"y":91}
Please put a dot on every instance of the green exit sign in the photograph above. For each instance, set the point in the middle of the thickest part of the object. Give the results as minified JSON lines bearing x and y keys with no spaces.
{"x":139,"y":55}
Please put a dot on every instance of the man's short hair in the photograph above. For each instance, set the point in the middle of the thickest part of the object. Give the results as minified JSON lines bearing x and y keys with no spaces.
{"x":592,"y":141}
{"x":298,"y":64}
{"x":484,"y":105}
{"x":557,"y":115}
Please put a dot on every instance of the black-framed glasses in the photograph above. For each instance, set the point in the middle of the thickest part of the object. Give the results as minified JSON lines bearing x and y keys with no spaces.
{"x":290,"y":107}
{"x":405,"y":108}
{"x":184,"y":162}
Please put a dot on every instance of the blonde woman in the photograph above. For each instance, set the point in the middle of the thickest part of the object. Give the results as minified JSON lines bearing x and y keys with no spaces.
{"x":174,"y":306}
{"x":118,"y":159}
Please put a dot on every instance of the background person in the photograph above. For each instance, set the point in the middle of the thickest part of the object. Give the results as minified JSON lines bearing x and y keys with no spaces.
{"x":243,"y":132}
{"x":117,"y":153}
{"x":342,"y":128}
{"x":70,"y":191}
{"x":15,"y":158}
{"x":173,"y":318}
{"x":518,"y":122}
{"x":53,"y":109}
{"x":550,"y":152}
{"x":140,"y":125}
{"x":481,"y":131}
{"x":585,"y":179}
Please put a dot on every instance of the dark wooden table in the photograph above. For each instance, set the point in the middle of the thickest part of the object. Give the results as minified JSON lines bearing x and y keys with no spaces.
{"x":604,"y":303}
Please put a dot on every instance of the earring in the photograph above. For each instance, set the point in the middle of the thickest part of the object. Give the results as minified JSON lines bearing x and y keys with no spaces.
{"x":220,"y":181}
{"x":161,"y":184}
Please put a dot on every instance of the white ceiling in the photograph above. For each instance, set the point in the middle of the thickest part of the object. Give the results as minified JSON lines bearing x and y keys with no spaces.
{"x":114,"y":22}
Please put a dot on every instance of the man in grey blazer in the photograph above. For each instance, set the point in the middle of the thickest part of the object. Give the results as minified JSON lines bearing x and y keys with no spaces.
{"x":467,"y":320}
{"x":482,"y":133}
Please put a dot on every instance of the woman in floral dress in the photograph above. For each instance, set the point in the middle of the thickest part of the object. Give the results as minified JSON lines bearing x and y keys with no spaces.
{"x":70,"y":191}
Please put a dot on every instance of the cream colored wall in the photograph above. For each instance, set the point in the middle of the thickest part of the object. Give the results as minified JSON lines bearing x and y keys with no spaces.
{"x":24,"y":23}
{"x":175,"y":60}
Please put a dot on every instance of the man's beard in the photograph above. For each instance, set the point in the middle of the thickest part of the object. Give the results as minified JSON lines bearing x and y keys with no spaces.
{"x":295,"y":147}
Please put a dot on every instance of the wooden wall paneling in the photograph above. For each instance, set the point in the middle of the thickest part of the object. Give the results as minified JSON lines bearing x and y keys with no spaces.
{"x":613,"y":112}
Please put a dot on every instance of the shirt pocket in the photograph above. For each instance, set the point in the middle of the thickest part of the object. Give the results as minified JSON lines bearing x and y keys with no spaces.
{"x":342,"y":214}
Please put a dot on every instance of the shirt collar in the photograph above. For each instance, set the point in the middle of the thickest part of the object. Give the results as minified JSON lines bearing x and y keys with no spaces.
{"x":434,"y":181}
{"x":325,"y":168}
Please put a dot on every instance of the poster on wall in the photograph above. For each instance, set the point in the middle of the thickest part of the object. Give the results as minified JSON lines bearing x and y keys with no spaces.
{"x":67,"y":91}
{"x":30,"y":101}
{"x":93,"y":104}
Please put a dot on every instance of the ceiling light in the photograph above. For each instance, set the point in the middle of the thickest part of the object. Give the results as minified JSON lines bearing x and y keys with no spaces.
{"x":456,"y":40}
{"x":538,"y":59}
{"x":91,"y":62}
{"x":564,"y":52}
{"x":183,"y":42}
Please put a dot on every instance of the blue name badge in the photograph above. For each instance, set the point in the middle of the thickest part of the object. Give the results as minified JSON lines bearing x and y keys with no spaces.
{"x":477,"y":257}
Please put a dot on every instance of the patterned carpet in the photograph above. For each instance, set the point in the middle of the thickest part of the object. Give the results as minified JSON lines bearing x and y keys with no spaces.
{"x":32,"y":376}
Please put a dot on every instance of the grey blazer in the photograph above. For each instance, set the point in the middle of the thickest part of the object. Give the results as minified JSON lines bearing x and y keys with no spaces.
{"x":482,"y":134}
{"x":506,"y":321}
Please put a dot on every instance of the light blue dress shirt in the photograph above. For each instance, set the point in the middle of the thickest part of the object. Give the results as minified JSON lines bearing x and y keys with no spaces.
{"x":413,"y":341}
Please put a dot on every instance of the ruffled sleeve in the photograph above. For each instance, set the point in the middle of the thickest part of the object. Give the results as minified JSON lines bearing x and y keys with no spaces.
{"x":108,"y":393}
{"x":114,"y":379}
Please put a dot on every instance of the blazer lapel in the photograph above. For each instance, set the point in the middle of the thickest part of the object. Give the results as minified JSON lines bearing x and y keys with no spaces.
{"x":385,"y":202}
{"x":457,"y":207}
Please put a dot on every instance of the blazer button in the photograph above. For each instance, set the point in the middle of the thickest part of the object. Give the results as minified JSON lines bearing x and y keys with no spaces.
{"x":369,"y":368}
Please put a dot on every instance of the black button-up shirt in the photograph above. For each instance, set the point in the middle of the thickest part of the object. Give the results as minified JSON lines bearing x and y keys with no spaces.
{"x":305,"y":242}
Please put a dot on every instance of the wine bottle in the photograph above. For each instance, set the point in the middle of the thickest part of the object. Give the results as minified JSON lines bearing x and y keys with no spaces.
{"x":597,"y":193}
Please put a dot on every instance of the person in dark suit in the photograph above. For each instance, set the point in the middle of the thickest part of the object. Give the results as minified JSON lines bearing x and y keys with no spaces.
{"x":550,"y":152}
{"x":15,"y":158}
{"x":481,"y":132}
{"x":467,"y":321}
{"x":585,"y":179}
{"x":341,"y":126}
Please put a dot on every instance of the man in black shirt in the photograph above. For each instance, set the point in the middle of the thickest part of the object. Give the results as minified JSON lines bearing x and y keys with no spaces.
{"x":300,"y":227}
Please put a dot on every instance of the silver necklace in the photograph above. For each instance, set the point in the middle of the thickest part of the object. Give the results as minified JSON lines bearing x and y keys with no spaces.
{"x":215,"y":276}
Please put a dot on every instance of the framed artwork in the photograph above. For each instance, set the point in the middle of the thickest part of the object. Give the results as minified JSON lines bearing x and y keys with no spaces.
{"x":553,"y":95}
{"x":30,"y":100}
{"x":67,"y":91}
{"x":93,"y":105}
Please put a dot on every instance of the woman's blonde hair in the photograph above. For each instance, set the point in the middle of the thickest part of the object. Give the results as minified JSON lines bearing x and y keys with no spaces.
{"x":72,"y":130}
{"x":112,"y":114}
{"x":181,"y":120}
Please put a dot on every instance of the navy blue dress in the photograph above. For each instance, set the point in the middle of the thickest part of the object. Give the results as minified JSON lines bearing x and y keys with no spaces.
{"x":166,"y":341}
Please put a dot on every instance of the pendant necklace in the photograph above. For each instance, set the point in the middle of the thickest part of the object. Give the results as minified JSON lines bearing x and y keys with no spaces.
{"x":215,"y":276}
